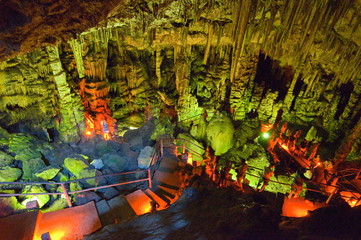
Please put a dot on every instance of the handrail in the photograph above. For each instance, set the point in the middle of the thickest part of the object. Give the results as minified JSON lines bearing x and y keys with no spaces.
{"x":184,"y":120}
{"x":70,"y":181}
{"x":182,"y":139}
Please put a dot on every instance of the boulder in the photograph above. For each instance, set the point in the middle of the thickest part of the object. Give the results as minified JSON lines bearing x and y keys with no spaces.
{"x":85,"y":197}
{"x":97,"y":163}
{"x":220,"y":132}
{"x":8,"y":174}
{"x":27,"y":154}
{"x":58,"y":204}
{"x":103,"y":147}
{"x":62,"y":177}
{"x":48,"y":172}
{"x":21,"y":141}
{"x":145,"y":157}
{"x":32,"y":166}
{"x":74,"y":186}
{"x":114,"y":162}
{"x":87,"y":173}
{"x":108,"y":193}
{"x":42,"y":199}
{"x":134,"y":139}
{"x":5,"y":159}
{"x":130,"y":156}
{"x":8,"y":205}
{"x":76,"y":164}
{"x":147,"y":131}
{"x":197,"y":152}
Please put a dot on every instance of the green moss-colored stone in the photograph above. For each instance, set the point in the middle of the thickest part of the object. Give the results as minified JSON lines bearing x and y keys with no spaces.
{"x":75,"y":164}
{"x":31,"y":167}
{"x":10,"y":204}
{"x":74,"y":186}
{"x":5,"y":159}
{"x":164,"y":127}
{"x":63,"y":177}
{"x":86,"y":173}
{"x":48,"y":173}
{"x":27,"y":154}
{"x":220,"y":134}
{"x":8,"y":174}
{"x":58,"y":204}
{"x":42,"y":199}
{"x":20,"y":141}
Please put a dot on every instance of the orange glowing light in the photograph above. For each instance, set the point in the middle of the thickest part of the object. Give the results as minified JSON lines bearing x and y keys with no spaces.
{"x":190,"y":159}
{"x":106,"y":136}
{"x":88,"y":133}
{"x":285,"y":146}
{"x":266,"y":127}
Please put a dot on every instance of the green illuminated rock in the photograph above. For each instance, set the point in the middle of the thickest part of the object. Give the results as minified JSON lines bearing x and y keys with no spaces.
{"x":9,"y":205}
{"x":164,"y":127}
{"x":58,"y":204}
{"x":48,"y":173}
{"x":5,"y":159}
{"x":199,"y":129}
{"x":86,"y":173}
{"x":63,"y":177}
{"x":76,"y":164}
{"x":220,"y":132}
{"x":31,"y":167}
{"x":74,"y":186}
{"x":42,"y":199}
{"x":27,"y":154}
{"x":8,"y":174}
{"x":20,"y":141}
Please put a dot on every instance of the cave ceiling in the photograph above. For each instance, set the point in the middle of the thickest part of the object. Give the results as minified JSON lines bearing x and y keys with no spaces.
{"x":63,"y":59}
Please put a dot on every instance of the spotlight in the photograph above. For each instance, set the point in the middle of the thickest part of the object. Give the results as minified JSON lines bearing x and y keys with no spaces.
{"x":266,"y":135}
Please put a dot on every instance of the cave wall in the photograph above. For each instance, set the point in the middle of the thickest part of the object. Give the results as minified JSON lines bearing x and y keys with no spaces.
{"x":299,"y":56}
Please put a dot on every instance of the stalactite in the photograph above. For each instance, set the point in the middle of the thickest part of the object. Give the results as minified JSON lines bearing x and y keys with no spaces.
{"x":158,"y":63}
{"x":240,"y":32}
{"x":77,"y":51}
{"x":209,"y":43}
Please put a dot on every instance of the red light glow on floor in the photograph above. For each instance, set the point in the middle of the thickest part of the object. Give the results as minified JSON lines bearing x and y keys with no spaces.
{"x":299,"y":207}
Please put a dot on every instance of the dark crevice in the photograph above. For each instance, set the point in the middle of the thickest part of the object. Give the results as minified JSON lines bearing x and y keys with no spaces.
{"x":296,"y":91}
{"x":273,"y":76}
{"x":345,"y":92}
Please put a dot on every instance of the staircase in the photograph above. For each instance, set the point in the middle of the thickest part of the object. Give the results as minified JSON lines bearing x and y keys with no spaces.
{"x":164,"y":191}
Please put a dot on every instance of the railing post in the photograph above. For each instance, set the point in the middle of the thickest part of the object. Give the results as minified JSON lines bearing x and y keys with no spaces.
{"x":66,"y":195}
{"x":149,"y":178}
{"x":184,"y":146}
{"x":161,"y":147}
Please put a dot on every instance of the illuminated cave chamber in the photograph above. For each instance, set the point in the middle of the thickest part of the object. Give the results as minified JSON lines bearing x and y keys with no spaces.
{"x":217,"y":73}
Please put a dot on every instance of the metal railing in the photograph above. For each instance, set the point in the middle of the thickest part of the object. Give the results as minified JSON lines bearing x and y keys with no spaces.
{"x":156,"y":157}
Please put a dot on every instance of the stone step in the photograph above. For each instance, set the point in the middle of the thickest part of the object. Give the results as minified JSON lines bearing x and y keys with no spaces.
{"x":166,"y":178}
{"x":171,"y":190}
{"x":121,"y":208}
{"x":105,"y":213}
{"x":139,"y":201}
{"x":162,"y":204}
{"x":20,"y":226}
